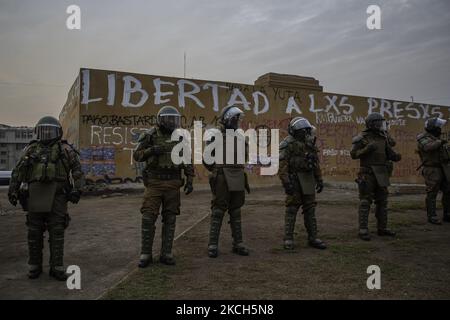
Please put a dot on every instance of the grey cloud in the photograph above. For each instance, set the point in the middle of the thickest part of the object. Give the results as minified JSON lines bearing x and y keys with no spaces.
{"x":225,"y":40}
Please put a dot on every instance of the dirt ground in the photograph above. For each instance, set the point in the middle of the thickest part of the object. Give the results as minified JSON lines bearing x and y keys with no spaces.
{"x":103,"y":240}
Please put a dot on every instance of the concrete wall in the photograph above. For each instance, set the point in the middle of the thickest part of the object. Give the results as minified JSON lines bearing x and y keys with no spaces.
{"x":106,"y":111}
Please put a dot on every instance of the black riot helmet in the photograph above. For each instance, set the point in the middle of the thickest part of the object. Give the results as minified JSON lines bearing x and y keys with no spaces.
{"x":48,"y":129}
{"x":231,"y":117}
{"x":300,"y":127}
{"x":434,"y":126}
{"x":169,"y":118}
{"x":375,"y":121}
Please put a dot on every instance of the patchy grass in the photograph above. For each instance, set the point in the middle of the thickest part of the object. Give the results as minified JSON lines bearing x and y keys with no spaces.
{"x":150,"y":283}
{"x":414,"y":265}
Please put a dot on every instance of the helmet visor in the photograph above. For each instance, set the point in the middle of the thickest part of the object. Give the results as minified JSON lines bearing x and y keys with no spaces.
{"x":232,"y":113}
{"x":379,"y":125}
{"x":440,"y":123}
{"x":300,"y":123}
{"x":170,"y":121}
{"x":47,"y":132}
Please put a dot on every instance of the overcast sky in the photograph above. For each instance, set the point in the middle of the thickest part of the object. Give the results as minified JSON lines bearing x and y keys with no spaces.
{"x":231,"y":40}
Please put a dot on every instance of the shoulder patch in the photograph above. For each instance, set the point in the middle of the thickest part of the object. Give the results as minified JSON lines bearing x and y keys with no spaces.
{"x":286,"y":141}
{"x":66,"y":145}
{"x":147,"y":134}
{"x":30,"y":145}
{"x":31,"y":142}
{"x":421,"y":136}
{"x":357,"y":139}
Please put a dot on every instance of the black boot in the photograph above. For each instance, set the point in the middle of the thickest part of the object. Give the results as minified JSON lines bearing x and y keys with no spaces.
{"x":241,"y":250}
{"x":57,"y":273}
{"x":311,"y":227}
{"x":145,"y":260}
{"x":214,"y":232}
{"x":317,"y":243}
{"x":364,"y":236}
{"x":236,"y":232}
{"x":381,"y":213}
{"x":35,"y":246}
{"x":431,"y":210}
{"x":289,"y":227}
{"x":56,"y":243}
{"x":168,"y":234}
{"x":213,"y":251}
{"x":167,"y":259}
{"x":34,"y":272}
{"x":386,"y":233}
{"x":288,"y":245}
{"x":446,"y":205}
{"x":363,"y":215}
{"x":147,"y":237}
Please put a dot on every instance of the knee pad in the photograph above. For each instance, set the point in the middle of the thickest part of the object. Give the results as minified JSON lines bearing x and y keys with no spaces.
{"x":169,"y":219}
{"x":432,"y":195}
{"x":365,"y":203}
{"x":217,"y":213}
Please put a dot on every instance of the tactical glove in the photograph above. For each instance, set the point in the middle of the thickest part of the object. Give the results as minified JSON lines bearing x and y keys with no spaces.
{"x":13,"y":198}
{"x":188,"y":188}
{"x":319,"y":186}
{"x":288,"y":188}
{"x":74,"y":196}
{"x":154,"y":151}
{"x":397,"y":157}
{"x":371,"y":147}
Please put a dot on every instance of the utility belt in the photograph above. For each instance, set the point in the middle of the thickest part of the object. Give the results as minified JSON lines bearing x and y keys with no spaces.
{"x":368,"y":170}
{"x":55,"y":179}
{"x":174,"y":175}
{"x":220,"y":169}
{"x":432,"y":166}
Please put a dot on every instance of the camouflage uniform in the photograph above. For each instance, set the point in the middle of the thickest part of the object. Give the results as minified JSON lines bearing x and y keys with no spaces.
{"x":228,"y":183}
{"x":434,"y":155}
{"x":162,"y":180}
{"x":300,"y":174}
{"x":45,"y":173}
{"x":373,"y":147}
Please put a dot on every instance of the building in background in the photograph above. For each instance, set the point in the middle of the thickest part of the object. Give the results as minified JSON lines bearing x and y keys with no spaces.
{"x":12,"y":142}
{"x":106,"y":111}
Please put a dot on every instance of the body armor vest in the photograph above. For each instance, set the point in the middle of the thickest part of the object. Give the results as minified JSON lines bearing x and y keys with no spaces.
{"x":234,"y":152}
{"x":162,"y":162}
{"x":432,"y":158}
{"x":303,"y":156}
{"x":45,"y":164}
{"x":378,"y":157}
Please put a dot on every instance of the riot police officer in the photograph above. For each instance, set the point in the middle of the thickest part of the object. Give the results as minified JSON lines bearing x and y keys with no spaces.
{"x":300,"y":174}
{"x":433,"y":151}
{"x":373,"y":147}
{"x":47,"y":176}
{"x":228,"y":183}
{"x":162,"y":180}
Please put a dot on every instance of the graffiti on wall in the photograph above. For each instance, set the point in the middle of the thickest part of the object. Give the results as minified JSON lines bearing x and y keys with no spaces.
{"x":98,"y":161}
{"x":116,"y":107}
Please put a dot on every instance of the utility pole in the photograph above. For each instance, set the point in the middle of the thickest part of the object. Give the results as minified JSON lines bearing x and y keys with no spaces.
{"x":184,"y":65}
